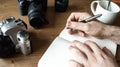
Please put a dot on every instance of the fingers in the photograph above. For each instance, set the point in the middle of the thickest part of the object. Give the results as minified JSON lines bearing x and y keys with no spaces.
{"x":97,"y":51}
{"x":74,"y":17}
{"x":83,"y":48}
{"x":72,"y":22}
{"x":93,"y":60}
{"x":80,"y":56}
{"x":95,"y":48}
{"x":108,"y":52}
{"x":81,"y":33}
{"x":72,"y":31}
{"x":73,"y":63}
{"x":78,"y":26}
{"x":88,"y":51}
{"x":77,"y":16}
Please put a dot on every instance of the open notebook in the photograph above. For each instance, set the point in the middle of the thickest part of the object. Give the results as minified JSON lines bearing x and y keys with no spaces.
{"x":58,"y":55}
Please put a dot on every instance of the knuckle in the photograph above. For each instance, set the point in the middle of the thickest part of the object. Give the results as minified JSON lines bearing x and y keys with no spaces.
{"x":77,"y":52}
{"x":83,"y":46}
{"x":75,"y":41}
{"x":73,"y":13}
{"x":88,"y":41}
{"x":93,"y":44}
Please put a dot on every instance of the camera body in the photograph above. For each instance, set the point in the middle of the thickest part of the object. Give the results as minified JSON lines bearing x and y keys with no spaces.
{"x":14,"y":37}
{"x":35,"y":9}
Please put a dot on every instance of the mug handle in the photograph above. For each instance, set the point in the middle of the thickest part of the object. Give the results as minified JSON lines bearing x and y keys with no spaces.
{"x":92,"y":6}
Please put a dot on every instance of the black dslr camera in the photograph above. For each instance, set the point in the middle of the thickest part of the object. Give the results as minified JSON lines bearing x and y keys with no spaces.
{"x":36,"y":11}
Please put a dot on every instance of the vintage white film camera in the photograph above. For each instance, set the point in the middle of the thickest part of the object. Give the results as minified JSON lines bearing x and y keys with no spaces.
{"x":14,"y":37}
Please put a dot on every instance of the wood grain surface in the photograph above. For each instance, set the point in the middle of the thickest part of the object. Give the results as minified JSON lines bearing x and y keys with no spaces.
{"x":41,"y":38}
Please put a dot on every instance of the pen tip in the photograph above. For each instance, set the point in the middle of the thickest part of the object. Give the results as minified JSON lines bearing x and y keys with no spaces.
{"x":100,"y":14}
{"x":67,"y":27}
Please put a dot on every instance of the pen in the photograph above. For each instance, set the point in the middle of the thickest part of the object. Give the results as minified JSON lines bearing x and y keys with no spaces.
{"x":89,"y":19}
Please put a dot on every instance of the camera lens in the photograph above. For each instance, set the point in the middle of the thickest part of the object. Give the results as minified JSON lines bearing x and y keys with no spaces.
{"x":23,"y":7}
{"x":61,"y":5}
{"x":36,"y":15}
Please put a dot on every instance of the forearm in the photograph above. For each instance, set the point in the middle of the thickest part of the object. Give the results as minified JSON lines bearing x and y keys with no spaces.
{"x":112,"y":33}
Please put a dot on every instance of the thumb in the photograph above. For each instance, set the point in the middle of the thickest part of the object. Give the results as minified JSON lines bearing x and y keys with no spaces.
{"x":78,"y":26}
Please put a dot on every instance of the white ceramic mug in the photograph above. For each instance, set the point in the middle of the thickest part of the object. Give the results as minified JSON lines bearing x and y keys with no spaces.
{"x":108,"y":16}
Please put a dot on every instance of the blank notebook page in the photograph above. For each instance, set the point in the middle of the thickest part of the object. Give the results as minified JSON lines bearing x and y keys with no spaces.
{"x":58,"y":55}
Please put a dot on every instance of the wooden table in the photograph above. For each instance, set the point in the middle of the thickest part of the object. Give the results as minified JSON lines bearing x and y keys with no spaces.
{"x":41,"y":38}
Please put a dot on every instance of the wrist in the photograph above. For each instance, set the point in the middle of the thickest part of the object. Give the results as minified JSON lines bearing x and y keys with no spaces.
{"x":111,"y":31}
{"x":107,"y":31}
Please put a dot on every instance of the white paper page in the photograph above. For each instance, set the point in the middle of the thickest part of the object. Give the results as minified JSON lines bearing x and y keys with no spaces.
{"x":57,"y":55}
{"x":102,"y":43}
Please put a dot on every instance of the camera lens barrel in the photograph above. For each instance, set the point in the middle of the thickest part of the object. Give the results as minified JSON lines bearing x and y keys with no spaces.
{"x":36,"y":15}
{"x":37,"y":20}
{"x":61,"y":5}
{"x":23,"y":7}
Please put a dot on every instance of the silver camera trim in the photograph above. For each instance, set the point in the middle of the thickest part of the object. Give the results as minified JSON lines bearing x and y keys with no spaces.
{"x":12,"y":28}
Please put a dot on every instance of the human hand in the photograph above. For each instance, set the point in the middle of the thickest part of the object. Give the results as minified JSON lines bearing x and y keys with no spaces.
{"x":88,"y":54}
{"x":93,"y":28}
